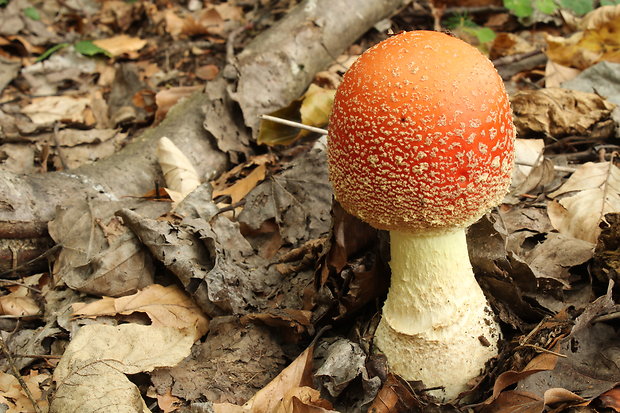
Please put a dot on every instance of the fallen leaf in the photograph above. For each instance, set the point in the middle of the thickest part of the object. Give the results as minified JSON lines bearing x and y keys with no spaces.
{"x":298,"y":199}
{"x":611,"y":399}
{"x":122,"y":45}
{"x":168,"y":403}
{"x":13,"y":397}
{"x":290,"y":323}
{"x":243,"y":186}
{"x":49,"y":109}
{"x":207,"y":72}
{"x":91,"y":263}
{"x":18,"y":303}
{"x":167,"y":98}
{"x":91,"y":375}
{"x":597,"y":41}
{"x":165,"y":306}
{"x":557,"y":112}
{"x":506,"y":44}
{"x":312,"y":109}
{"x":556,"y":74}
{"x":181,"y":177}
{"x":597,"y":192}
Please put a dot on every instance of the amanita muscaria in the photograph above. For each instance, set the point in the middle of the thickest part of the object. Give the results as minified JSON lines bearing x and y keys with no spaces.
{"x":421,"y":144}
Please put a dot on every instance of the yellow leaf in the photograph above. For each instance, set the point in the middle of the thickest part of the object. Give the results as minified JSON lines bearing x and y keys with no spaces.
{"x":312,"y":109}
{"x":598,"y":41}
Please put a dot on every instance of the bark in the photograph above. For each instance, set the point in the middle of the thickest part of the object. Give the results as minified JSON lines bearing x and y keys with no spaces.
{"x":275,"y":68}
{"x":280,"y":63}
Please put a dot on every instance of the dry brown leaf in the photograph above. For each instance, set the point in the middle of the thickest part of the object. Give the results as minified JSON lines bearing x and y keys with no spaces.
{"x":243,"y":182}
{"x":556,"y":73}
{"x":542,"y":362}
{"x":91,"y":375}
{"x":167,"y":98}
{"x":243,"y":186}
{"x":316,"y":106}
{"x":174,"y":23}
{"x":611,"y":399}
{"x":303,"y":400}
{"x":18,"y":303}
{"x":597,"y":187}
{"x":167,"y":402}
{"x":122,"y":45}
{"x":506,"y":44}
{"x":13,"y":396}
{"x":557,"y":112}
{"x":181,"y":177}
{"x":514,"y":401}
{"x":50,"y":109}
{"x":165,"y":306}
{"x":207,"y":72}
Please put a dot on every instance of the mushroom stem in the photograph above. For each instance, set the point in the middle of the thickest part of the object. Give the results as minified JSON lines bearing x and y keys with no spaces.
{"x":437,"y":326}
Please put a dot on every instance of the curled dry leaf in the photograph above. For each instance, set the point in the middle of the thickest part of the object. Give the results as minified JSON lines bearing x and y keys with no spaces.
{"x":181,"y":177}
{"x":557,"y":112}
{"x":93,"y":261}
{"x":165,"y":306}
{"x":596,"y":188}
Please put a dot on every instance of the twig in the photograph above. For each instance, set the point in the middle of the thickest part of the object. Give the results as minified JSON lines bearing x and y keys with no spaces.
{"x":32,"y":261}
{"x":37,"y":356}
{"x":293,"y":124}
{"x":544,"y":350}
{"x":18,"y":376}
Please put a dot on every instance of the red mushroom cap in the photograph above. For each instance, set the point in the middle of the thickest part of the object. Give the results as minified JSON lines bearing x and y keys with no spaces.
{"x":421,"y":135}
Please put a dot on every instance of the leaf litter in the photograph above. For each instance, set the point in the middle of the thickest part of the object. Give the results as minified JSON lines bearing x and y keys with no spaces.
{"x":263,"y":258}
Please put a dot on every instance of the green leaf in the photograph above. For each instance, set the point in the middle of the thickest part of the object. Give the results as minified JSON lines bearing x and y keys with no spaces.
{"x":610,"y":2}
{"x":88,"y":48}
{"x":484,"y":34}
{"x":32,"y":13}
{"x":546,"y":6}
{"x":579,"y":7}
{"x":4,"y":3}
{"x":51,"y":51}
{"x":520,"y":8}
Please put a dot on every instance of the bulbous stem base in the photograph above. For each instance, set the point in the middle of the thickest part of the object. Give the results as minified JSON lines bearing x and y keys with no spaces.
{"x":437,"y":326}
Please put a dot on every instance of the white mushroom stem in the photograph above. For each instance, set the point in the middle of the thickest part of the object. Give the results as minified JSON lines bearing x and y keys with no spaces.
{"x":437,"y":326}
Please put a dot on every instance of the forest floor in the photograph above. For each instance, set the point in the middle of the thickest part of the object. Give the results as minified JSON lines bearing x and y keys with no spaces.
{"x":240,"y":285}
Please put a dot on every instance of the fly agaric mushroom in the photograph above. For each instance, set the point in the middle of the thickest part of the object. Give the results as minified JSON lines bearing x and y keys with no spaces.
{"x":421,"y":144}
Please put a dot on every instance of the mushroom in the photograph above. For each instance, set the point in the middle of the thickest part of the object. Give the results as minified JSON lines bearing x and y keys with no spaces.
{"x":421,"y":144}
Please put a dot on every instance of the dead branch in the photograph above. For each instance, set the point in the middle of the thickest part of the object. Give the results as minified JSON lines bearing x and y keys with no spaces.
{"x":274,"y":68}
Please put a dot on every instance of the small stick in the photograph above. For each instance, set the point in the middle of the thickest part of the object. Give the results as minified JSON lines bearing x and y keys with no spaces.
{"x":293,"y":124}
{"x":324,"y":132}
{"x":20,"y":379}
